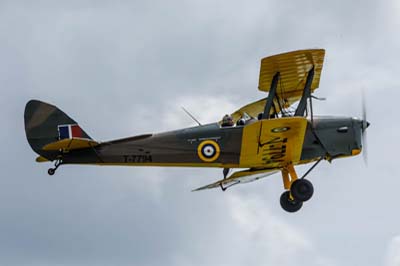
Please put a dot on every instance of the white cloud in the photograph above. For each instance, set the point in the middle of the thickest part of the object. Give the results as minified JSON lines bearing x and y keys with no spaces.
{"x":393,"y":252}
{"x":250,"y":233}
{"x":122,"y":69}
{"x":273,"y":240}
{"x":205,"y":108}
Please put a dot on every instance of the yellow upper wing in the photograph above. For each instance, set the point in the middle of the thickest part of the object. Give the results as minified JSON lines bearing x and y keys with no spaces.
{"x":293,"y":68}
{"x":254,"y":108}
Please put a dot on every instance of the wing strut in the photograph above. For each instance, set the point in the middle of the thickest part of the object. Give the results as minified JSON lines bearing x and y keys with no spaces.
{"x":301,"y":108}
{"x":271,"y":96}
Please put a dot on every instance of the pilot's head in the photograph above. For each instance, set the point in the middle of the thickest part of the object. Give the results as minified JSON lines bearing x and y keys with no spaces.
{"x":227,"y":121}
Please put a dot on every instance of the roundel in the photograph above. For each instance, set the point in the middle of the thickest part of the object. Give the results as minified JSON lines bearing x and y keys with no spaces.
{"x":208,"y":151}
{"x":280,"y":129}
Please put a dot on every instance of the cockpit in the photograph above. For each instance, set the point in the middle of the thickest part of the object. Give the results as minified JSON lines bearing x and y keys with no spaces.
{"x":245,"y":119}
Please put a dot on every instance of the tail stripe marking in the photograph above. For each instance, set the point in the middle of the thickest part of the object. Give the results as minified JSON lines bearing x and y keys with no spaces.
{"x":69,"y":131}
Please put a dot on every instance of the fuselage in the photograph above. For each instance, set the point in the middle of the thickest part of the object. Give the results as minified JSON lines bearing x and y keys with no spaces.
{"x":214,"y":146}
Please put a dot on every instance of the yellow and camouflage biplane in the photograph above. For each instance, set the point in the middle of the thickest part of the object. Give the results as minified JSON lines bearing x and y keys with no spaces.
{"x":265,"y":137}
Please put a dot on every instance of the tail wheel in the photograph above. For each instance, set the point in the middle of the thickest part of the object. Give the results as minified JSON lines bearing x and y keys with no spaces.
{"x":57,"y":164}
{"x":51,"y":171}
{"x":302,"y":189}
{"x":288,"y":204}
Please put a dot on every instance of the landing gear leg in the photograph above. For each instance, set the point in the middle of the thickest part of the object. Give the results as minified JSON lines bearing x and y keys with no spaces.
{"x":302,"y":189}
{"x":297,"y":190}
{"x":57,"y":164}
{"x":225,"y":172}
{"x":288,"y":202}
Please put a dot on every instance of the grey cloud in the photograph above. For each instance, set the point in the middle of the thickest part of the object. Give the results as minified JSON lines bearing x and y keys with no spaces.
{"x":120,"y":68}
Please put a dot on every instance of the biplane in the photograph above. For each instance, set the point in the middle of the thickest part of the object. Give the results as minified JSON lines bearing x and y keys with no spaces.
{"x":271,"y":135}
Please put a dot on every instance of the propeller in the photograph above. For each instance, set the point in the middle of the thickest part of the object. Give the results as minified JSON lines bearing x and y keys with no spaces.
{"x":364,"y":126}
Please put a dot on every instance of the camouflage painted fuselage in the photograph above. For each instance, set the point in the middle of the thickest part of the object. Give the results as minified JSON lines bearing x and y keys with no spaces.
{"x":266,"y":143}
{"x":331,"y":137}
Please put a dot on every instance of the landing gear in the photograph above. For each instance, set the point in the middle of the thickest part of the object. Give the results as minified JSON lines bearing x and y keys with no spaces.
{"x":51,"y":171}
{"x":297,"y":190}
{"x":302,"y":189}
{"x":57,"y":164}
{"x":289,"y":204}
{"x":225,"y":173}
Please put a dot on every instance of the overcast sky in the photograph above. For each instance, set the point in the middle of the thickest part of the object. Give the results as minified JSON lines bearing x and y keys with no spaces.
{"x":122,"y":68}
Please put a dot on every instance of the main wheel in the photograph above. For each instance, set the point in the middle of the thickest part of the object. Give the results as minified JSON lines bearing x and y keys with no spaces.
{"x":288,"y":204}
{"x":51,"y":171}
{"x":302,"y":189}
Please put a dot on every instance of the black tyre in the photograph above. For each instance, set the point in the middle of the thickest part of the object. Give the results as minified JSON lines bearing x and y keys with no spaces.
{"x":51,"y":171}
{"x":302,"y":190}
{"x":288,"y":204}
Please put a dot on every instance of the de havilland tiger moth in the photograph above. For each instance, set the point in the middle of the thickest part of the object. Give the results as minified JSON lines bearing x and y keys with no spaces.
{"x":271,"y":135}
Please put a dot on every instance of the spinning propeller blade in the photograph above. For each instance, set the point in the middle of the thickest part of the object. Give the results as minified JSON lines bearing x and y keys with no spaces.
{"x":364,"y":126}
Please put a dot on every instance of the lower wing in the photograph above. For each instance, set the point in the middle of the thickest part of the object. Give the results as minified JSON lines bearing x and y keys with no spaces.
{"x":240,"y":177}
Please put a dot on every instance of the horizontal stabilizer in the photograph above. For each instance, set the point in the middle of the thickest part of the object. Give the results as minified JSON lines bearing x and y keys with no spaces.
{"x":70,"y":144}
{"x":41,"y":159}
{"x":245,"y":176}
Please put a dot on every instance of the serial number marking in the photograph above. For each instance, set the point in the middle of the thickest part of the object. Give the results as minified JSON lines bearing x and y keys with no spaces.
{"x":138,"y":158}
{"x":274,"y":150}
{"x":201,"y":139}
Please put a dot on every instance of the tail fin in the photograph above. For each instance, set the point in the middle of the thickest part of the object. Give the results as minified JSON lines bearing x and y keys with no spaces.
{"x":45,"y":124}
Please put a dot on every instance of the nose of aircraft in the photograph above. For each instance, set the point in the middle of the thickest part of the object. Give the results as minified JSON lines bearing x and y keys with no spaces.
{"x":364,"y":125}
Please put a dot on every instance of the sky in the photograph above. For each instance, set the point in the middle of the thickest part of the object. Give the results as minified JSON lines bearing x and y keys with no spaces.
{"x":123,"y":68}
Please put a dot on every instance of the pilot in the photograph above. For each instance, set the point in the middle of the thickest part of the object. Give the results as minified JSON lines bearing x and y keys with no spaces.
{"x":227,"y":121}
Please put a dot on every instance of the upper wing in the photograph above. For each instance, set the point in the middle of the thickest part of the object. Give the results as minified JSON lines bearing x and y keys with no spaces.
{"x":293,"y":68}
{"x":257,"y":107}
{"x":252,"y":109}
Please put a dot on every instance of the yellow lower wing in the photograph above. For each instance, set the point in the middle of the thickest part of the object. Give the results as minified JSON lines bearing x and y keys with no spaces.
{"x":70,"y":144}
{"x":273,"y":143}
{"x":240,"y":177}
